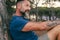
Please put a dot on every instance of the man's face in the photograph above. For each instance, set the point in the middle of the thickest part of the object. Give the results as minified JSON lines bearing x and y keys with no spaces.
{"x":25,"y":6}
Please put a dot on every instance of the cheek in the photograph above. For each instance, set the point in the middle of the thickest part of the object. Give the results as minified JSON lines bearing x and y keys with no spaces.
{"x":25,"y":8}
{"x":22,"y":9}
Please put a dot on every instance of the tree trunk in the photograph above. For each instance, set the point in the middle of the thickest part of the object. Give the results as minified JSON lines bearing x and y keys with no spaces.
{"x":3,"y":13}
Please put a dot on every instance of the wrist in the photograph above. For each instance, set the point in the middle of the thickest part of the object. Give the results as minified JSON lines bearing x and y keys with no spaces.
{"x":52,"y":24}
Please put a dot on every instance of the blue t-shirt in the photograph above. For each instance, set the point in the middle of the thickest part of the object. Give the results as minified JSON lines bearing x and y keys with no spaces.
{"x":16,"y":25}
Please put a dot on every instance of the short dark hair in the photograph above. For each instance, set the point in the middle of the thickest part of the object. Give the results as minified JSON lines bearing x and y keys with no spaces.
{"x":19,"y":1}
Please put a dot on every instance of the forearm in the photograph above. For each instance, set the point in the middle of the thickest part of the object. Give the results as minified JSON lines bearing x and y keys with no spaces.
{"x":53,"y":23}
{"x":36,"y":26}
{"x":49,"y":25}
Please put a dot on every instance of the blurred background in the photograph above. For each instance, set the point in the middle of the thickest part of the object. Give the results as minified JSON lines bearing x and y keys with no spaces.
{"x":42,"y":10}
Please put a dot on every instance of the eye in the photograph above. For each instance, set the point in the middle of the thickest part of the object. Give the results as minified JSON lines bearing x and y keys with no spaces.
{"x":27,"y":5}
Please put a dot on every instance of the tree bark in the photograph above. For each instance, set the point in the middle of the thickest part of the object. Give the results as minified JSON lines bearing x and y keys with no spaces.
{"x":3,"y":13}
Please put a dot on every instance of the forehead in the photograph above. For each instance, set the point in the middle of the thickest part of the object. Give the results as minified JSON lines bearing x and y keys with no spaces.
{"x":26,"y":2}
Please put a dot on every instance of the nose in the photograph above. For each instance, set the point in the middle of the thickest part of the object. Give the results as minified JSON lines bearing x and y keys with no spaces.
{"x":29,"y":8}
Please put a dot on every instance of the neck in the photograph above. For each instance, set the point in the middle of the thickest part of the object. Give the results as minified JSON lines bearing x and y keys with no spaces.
{"x":18,"y":13}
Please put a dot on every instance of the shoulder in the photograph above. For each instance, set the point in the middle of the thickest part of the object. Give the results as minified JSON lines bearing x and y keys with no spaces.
{"x":18,"y":19}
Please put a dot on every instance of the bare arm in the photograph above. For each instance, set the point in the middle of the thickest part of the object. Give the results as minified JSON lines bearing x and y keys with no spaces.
{"x":36,"y":26}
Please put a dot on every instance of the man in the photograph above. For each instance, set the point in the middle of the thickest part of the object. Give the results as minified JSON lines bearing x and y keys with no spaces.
{"x":22,"y":29}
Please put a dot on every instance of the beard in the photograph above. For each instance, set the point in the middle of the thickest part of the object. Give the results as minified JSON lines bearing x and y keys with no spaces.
{"x":25,"y":14}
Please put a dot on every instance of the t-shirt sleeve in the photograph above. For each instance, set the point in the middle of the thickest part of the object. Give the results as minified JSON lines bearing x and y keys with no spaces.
{"x":20,"y":24}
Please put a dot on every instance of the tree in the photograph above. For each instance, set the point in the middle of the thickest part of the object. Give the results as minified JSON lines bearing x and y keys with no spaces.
{"x":3,"y":13}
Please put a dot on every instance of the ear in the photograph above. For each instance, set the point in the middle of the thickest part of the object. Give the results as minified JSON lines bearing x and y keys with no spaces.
{"x":18,"y":5}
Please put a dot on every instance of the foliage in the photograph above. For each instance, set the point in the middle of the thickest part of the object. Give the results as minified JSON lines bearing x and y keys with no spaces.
{"x":41,"y":10}
{"x":9,"y":8}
